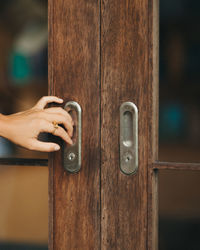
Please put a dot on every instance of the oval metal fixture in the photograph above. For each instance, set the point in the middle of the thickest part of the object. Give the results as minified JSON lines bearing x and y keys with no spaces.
{"x":128,"y":138}
{"x":72,"y":153}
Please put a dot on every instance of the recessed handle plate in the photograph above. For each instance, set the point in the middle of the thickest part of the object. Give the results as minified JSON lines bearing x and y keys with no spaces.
{"x":72,"y":153}
{"x":128,"y":138}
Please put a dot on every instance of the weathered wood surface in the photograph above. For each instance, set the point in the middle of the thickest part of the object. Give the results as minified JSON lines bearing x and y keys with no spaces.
{"x":74,"y":75}
{"x":176,"y":166}
{"x":126,"y":56}
{"x":124,"y":77}
{"x":153,"y":89}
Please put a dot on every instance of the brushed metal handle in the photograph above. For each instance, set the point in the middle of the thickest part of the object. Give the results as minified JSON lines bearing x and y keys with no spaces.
{"x":72,"y":153}
{"x":128,"y":138}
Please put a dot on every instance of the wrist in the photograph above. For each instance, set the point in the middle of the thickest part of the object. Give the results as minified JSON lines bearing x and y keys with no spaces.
{"x":3,"y":125}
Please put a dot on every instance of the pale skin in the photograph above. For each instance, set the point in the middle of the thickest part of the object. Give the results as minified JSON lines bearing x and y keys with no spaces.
{"x":23,"y":128}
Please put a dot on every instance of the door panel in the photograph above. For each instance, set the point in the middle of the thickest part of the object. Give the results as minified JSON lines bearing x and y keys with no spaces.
{"x":124,"y":77}
{"x":100,"y":55}
{"x":74,"y":76}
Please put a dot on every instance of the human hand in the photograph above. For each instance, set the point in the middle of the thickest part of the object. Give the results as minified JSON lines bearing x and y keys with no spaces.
{"x":23,"y":128}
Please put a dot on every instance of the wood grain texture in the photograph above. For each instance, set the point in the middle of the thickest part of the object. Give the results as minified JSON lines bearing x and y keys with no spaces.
{"x":152,"y":209}
{"x":51,"y":155}
{"x":74,"y":75}
{"x":124,"y":77}
{"x":153,"y":89}
{"x":176,"y":166}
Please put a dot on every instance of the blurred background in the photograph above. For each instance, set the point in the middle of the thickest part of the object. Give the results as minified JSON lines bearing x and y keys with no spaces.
{"x":23,"y":62}
{"x":23,"y":80}
{"x":179,"y":124}
{"x":179,"y":81}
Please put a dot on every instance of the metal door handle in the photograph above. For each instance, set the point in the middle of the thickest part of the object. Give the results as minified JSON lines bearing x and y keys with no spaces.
{"x":72,"y":153}
{"x":128,"y":138}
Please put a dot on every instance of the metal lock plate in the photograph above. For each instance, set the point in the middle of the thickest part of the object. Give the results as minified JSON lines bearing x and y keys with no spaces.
{"x":72,"y":153}
{"x":128,"y":138}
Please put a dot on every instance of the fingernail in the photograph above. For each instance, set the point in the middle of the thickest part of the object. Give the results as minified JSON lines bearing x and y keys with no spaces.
{"x":71,"y":142}
{"x":61,"y":99}
{"x":57,"y":148}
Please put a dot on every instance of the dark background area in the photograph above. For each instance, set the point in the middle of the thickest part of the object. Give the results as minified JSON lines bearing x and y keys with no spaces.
{"x":179,"y":124}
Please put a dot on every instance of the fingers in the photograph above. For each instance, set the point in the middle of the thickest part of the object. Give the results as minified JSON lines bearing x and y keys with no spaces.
{"x":62,"y":134}
{"x":47,"y":99}
{"x":44,"y":146}
{"x":61,"y":111}
{"x":49,"y":127}
{"x":60,"y":119}
{"x":47,"y":117}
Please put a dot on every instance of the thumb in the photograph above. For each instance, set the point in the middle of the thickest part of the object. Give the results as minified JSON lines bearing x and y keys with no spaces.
{"x":44,"y":146}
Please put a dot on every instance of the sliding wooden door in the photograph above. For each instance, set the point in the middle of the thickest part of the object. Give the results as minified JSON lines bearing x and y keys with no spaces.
{"x":102,"y":54}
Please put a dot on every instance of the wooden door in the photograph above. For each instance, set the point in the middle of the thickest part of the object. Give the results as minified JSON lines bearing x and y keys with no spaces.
{"x":101,"y":54}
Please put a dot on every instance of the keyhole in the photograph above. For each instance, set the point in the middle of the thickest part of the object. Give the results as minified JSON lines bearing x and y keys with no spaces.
{"x":71,"y":156}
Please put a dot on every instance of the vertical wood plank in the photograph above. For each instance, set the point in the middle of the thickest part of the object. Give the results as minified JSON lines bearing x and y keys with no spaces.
{"x":74,"y":75}
{"x":124,"y":63}
{"x":50,"y":92}
{"x":153,"y":124}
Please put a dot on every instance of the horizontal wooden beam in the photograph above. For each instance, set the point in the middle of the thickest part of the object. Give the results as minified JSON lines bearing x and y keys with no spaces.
{"x":176,"y":166}
{"x":24,"y":162}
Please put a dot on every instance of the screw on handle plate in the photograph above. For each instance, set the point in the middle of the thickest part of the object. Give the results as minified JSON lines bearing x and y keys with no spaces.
{"x":72,"y":153}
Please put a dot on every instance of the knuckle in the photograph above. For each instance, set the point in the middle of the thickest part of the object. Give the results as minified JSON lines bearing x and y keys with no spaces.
{"x":66,"y":121}
{"x":69,"y":119}
{"x":60,"y":130}
{"x":60,"y":109}
{"x":69,"y":131}
{"x":59,"y":117}
{"x":44,"y":97}
{"x":67,"y":116}
{"x":56,"y":131}
{"x":70,"y":126}
{"x":62,"y":133}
